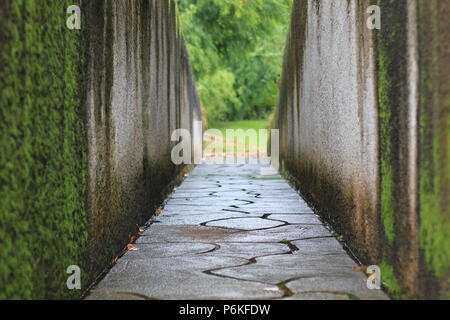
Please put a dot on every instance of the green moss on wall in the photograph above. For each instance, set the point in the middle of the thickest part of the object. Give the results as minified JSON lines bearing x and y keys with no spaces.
{"x":390,"y":282}
{"x":391,"y":43}
{"x":43,"y":160}
{"x":433,"y":176}
{"x":392,"y":101}
{"x":434,"y":122}
{"x":384,"y":89}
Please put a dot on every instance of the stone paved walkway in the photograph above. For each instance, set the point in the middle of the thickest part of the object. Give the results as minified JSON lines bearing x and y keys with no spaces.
{"x":229,"y":233}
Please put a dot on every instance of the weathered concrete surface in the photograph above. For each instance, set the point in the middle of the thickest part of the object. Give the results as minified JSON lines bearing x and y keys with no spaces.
{"x":364,"y":134}
{"x":139,"y":89}
{"x":229,"y":233}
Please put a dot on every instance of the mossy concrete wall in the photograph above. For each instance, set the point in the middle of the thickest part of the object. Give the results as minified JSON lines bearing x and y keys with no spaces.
{"x":364,"y":118}
{"x":139,"y":89}
{"x":85,"y":124}
{"x":43,"y":167}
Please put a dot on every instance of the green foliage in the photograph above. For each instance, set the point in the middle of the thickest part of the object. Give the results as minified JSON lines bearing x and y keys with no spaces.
{"x":218,"y":93}
{"x":42,"y":159}
{"x":236,"y":49}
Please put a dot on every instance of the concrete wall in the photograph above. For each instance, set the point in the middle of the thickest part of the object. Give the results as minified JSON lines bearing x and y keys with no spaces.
{"x":364,"y":132}
{"x":139,"y":89}
{"x":85,"y":123}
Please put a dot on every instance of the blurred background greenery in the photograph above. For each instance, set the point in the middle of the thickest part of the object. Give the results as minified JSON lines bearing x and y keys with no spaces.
{"x":236,"y":50}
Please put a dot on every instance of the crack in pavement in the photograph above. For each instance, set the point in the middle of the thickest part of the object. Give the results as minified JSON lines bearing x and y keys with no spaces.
{"x":248,"y":202}
{"x":286,"y":290}
{"x":216,"y":247}
{"x":204,"y":256}
{"x":282,"y":285}
{"x":255,"y":194}
{"x":253,"y":260}
{"x":205,"y":224}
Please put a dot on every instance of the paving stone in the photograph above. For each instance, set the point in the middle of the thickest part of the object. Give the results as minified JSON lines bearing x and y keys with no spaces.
{"x":249,"y":250}
{"x":319,"y":246}
{"x":230,"y":233}
{"x":181,"y":278}
{"x":276,"y":209}
{"x":252,"y":223}
{"x":354,"y":287}
{"x":192,"y":233}
{"x":289,"y":232}
{"x":184,"y":233}
{"x":278,"y":268}
{"x":319,"y":296}
{"x":167,"y":250}
{"x":197,"y":218}
{"x":190,"y":210}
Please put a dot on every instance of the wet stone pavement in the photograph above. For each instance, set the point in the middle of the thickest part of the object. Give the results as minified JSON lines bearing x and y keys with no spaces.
{"x":230,"y":233}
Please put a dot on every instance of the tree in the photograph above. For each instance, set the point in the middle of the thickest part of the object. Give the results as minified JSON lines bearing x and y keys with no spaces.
{"x":236,"y":49}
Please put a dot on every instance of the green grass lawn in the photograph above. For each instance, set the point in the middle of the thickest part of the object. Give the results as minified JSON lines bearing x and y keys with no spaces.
{"x":243,"y":124}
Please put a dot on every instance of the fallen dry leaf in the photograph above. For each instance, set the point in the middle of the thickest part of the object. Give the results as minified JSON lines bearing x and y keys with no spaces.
{"x":133,"y":239}
{"x":158,"y":212}
{"x":132,"y":248}
{"x":362,"y":269}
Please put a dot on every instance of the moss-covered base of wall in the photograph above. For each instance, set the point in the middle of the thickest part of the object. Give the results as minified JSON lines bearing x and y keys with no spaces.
{"x":42,"y":142}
